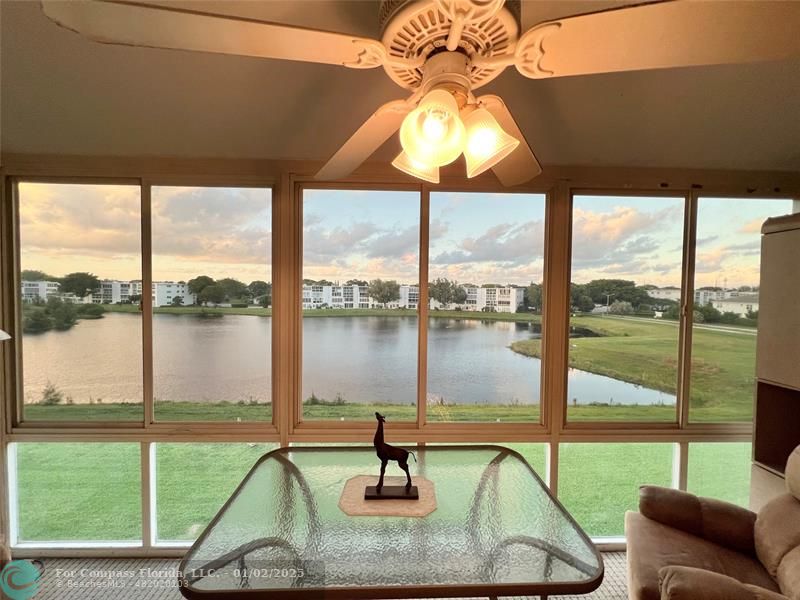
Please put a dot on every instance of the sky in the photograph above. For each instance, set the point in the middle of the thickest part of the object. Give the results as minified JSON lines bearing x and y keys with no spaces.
{"x":220,"y":232}
{"x":474,"y":237}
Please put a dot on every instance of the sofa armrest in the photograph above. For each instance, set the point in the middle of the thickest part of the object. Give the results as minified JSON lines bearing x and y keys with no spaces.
{"x":688,"y":583}
{"x":714,"y":520}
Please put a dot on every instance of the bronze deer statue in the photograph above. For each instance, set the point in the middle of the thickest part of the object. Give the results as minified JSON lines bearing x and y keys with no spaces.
{"x":387,"y":452}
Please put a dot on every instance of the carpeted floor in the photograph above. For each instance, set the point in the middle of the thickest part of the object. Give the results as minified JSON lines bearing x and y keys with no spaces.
{"x":151,"y":579}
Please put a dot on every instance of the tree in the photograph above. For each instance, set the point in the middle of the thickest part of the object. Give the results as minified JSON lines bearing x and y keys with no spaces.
{"x":81,"y":284}
{"x":198,"y":284}
{"x":620,"y":307}
{"x":177,"y":301}
{"x":532,"y":297}
{"x":446,"y":292}
{"x":36,"y":321}
{"x":233,"y":288}
{"x":618,"y":289}
{"x":752,"y":314}
{"x":584,"y":303}
{"x":384,"y":291}
{"x":356,"y":282}
{"x":259,"y":288}
{"x":63,"y":314}
{"x":710,"y":314}
{"x":33,"y":275}
{"x":212,"y":293}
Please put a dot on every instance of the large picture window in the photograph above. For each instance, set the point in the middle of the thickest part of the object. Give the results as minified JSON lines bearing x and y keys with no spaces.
{"x":485,"y":302}
{"x":212,"y":298}
{"x":625,"y":296}
{"x":473,"y":368}
{"x":360,"y":295}
{"x":80,"y":260}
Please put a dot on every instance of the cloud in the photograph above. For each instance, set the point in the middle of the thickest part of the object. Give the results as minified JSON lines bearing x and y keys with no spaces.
{"x":705,"y":240}
{"x":505,"y":243}
{"x":596,"y":234}
{"x":753,"y":226}
{"x":393,"y":243}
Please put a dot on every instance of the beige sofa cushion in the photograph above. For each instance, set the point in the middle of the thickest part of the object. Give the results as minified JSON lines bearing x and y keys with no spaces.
{"x":793,"y":473}
{"x":777,"y":531}
{"x":714,"y":520}
{"x":653,"y":545}
{"x":688,"y":583}
{"x":789,"y":574}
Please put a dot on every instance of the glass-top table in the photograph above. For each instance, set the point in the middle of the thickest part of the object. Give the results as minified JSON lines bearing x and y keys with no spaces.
{"x":496,"y":531}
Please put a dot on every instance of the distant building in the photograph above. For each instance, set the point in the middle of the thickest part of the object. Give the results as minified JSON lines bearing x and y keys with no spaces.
{"x":666,"y":293}
{"x":499,"y":299}
{"x":165,"y":292}
{"x":35,"y":291}
{"x":741,"y":304}
{"x":112,"y":291}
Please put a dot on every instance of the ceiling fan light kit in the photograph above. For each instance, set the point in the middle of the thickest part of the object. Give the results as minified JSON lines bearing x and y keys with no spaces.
{"x":443,"y":50}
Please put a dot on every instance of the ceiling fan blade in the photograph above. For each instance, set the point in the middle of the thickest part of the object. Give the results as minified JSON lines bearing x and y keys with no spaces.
{"x":133,"y":24}
{"x":661,"y":35}
{"x":521,"y":165}
{"x":369,"y":137}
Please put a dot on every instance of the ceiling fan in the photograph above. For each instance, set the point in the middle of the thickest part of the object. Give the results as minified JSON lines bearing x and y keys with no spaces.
{"x":444,"y":50}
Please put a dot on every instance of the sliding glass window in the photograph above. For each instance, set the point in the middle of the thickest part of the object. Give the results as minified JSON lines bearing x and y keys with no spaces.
{"x":81,"y":272}
{"x":625,"y":294}
{"x":725,"y":320}
{"x":360,"y":294}
{"x":75,"y":492}
{"x":485,"y":301}
{"x":212,"y":298}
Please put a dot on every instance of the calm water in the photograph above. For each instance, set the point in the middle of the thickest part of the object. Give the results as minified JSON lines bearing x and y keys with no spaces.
{"x":362,"y":359}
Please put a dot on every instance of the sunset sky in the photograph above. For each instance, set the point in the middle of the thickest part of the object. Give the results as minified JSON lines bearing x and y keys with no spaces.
{"x":477,"y":238}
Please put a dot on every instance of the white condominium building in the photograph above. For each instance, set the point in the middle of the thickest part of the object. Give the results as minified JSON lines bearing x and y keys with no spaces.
{"x":499,"y":299}
{"x":33,"y":291}
{"x":666,"y":293}
{"x":113,"y":292}
{"x":740,"y":304}
{"x":165,"y":292}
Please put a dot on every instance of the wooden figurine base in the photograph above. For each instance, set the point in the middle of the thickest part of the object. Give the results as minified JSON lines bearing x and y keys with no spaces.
{"x":391,"y":492}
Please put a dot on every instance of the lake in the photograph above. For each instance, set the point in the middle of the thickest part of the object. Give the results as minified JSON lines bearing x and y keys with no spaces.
{"x":358,"y":359}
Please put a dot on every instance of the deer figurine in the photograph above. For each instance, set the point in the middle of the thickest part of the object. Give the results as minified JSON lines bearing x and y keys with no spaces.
{"x":386,"y":453}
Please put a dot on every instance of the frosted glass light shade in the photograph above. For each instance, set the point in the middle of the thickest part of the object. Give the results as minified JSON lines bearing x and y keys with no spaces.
{"x":487,"y":143}
{"x":5,"y":336}
{"x":408,"y":165}
{"x":432,"y":134}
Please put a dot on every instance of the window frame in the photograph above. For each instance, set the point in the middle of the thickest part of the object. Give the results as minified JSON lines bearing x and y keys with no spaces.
{"x":286,"y":179}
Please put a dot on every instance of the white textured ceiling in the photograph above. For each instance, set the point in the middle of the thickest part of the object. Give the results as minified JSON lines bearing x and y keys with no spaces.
{"x":62,"y":94}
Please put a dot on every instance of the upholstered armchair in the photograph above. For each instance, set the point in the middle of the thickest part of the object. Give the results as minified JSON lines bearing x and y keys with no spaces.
{"x":684,"y":547}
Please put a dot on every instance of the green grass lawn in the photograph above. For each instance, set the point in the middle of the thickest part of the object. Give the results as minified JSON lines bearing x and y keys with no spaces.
{"x":646,"y":354}
{"x":225,"y":412}
{"x":91,"y":491}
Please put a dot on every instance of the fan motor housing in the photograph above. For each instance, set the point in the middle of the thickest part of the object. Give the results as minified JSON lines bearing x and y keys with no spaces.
{"x":417,"y":28}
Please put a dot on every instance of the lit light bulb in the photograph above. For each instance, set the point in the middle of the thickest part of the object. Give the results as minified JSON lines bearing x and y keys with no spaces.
{"x":432,"y":134}
{"x":406,"y":164}
{"x":433,"y":127}
{"x":487,"y":143}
